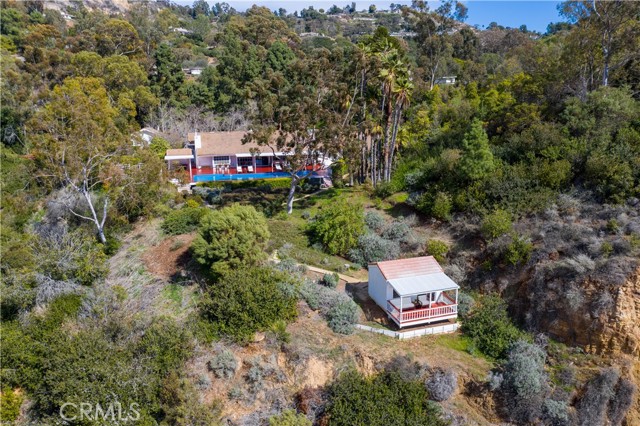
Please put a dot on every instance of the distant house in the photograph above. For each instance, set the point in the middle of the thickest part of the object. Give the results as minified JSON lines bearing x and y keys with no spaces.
{"x":413,"y":291}
{"x":193,"y":71}
{"x":446,"y":80}
{"x":143,"y":137}
{"x":211,"y":156}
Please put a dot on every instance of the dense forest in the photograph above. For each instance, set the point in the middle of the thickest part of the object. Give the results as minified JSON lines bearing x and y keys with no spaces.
{"x":527,"y":167}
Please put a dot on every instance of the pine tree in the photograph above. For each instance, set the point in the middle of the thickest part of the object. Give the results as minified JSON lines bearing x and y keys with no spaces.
{"x":477,"y":159}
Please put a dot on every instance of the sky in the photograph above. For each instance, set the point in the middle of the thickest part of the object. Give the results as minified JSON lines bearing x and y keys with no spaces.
{"x":536,"y":15}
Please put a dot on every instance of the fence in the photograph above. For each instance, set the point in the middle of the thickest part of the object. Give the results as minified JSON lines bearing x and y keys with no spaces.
{"x":426,"y":331}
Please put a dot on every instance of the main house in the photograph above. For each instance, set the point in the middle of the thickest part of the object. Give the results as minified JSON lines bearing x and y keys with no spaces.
{"x":211,"y":156}
{"x":413,"y":291}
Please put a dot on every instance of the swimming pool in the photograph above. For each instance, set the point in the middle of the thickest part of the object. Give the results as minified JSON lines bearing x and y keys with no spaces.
{"x":243,"y":176}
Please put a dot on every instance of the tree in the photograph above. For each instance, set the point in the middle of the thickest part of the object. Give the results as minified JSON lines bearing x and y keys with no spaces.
{"x":75,"y":138}
{"x":372,"y":8}
{"x":338,"y":226}
{"x":610,"y":25}
{"x":231,"y":238}
{"x":477,"y":160}
{"x":294,"y":121}
{"x":169,"y":77}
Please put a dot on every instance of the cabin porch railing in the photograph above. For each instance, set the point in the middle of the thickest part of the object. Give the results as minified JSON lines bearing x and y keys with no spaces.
{"x":420,"y":314}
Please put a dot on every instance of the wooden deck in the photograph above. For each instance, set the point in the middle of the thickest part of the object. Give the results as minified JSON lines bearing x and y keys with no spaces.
{"x":412,"y":315}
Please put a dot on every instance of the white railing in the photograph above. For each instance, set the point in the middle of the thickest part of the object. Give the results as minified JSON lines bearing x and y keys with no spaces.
{"x":422,"y":313}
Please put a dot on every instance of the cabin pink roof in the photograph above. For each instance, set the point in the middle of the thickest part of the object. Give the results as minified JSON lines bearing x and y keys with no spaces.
{"x":412,"y":267}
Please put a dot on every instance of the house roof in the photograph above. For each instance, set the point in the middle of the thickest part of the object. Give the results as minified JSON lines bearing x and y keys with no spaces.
{"x":411,"y":267}
{"x":415,"y":275}
{"x":225,"y":143}
{"x":181,"y":152}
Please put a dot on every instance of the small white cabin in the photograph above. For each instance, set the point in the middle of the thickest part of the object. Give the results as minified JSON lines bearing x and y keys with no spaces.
{"x":413,"y":291}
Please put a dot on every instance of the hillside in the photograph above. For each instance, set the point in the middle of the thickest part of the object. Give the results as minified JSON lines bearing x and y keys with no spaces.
{"x":199,"y":205}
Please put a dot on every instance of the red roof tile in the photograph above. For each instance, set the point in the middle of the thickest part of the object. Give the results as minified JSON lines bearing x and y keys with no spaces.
{"x":412,"y":267}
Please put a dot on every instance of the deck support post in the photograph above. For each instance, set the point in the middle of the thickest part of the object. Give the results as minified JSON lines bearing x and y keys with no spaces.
{"x":400,"y":317}
{"x":190,"y":172}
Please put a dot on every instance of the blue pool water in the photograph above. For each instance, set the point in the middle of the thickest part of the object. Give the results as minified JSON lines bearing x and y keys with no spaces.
{"x":243,"y":176}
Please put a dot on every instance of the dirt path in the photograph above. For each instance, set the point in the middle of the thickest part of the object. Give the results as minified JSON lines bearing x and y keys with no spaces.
{"x":345,"y":278}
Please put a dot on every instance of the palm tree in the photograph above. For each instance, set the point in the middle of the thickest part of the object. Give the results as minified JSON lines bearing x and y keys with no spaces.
{"x":402,"y":90}
{"x":392,"y":69}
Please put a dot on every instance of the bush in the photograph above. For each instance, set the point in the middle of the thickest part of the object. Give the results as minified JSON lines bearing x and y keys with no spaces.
{"x":495,"y":224}
{"x":248,"y":300}
{"x":289,"y":418}
{"x":490,"y":328}
{"x":518,"y":251}
{"x":343,"y":316}
{"x":374,"y":220}
{"x":441,"y":384}
{"x":381,"y":400}
{"x":525,"y":382}
{"x":231,"y":238}
{"x":465,"y":304}
{"x":330,"y":280}
{"x":397,"y":231}
{"x":437,"y":249}
{"x":599,"y":391}
{"x":338,"y":226}
{"x":622,"y":401}
{"x":223,"y":364}
{"x":10,"y":402}
{"x":183,"y":221}
{"x":373,"y":248}
{"x":556,"y":412}
{"x":441,"y":208}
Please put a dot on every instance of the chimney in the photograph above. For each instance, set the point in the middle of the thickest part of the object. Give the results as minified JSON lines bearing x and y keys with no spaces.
{"x":197,"y":141}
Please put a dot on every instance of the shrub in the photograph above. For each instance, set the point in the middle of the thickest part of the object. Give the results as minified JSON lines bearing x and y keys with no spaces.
{"x":10,"y":402}
{"x":330,"y":280}
{"x":231,"y":238}
{"x":441,"y":384}
{"x":343,"y":316}
{"x":210,"y":195}
{"x":397,"y":231}
{"x":373,"y":248}
{"x":525,"y":382}
{"x":518,"y":251}
{"x":465,"y":304}
{"x":183,"y":221}
{"x":620,"y":404}
{"x":338,"y":226}
{"x":496,"y":223}
{"x":441,"y":208}
{"x":374,"y":220}
{"x":437,"y":249}
{"x":223,"y":364}
{"x":289,"y":418}
{"x":489,"y":327}
{"x":249,"y":300}
{"x":318,"y":298}
{"x":279,"y":330}
{"x":381,"y":400}
{"x":338,"y":170}
{"x":592,"y":407}
{"x":556,"y":412}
